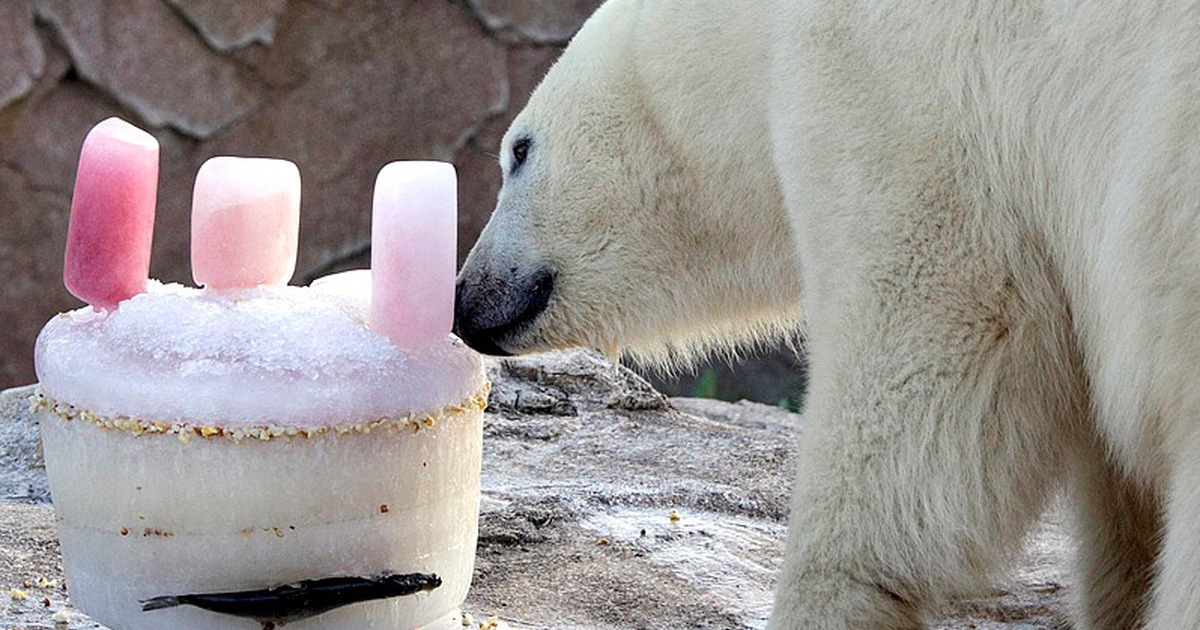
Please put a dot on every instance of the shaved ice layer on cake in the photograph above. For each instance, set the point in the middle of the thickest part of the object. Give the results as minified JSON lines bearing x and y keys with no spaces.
{"x":296,"y":356}
{"x":249,"y":454}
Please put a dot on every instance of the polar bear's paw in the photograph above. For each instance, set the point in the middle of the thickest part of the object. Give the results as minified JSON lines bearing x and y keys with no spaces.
{"x":840,"y":602}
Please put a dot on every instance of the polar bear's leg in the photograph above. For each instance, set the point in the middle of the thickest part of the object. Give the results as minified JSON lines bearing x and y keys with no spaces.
{"x":922,"y":465}
{"x":1177,"y":588}
{"x":1117,"y":527}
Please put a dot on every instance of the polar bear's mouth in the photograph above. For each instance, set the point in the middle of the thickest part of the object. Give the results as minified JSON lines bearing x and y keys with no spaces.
{"x":490,"y":313}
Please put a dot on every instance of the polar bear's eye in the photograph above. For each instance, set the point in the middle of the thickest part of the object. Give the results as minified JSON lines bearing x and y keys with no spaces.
{"x":520,"y":152}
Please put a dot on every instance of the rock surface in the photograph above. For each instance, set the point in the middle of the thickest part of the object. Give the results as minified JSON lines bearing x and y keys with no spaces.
{"x":21,"y":56}
{"x":584,"y":465}
{"x":540,"y":21}
{"x":231,"y":24}
{"x":144,"y":57}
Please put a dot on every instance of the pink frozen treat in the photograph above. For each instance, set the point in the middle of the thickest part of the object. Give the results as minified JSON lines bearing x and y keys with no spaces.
{"x":245,"y":222}
{"x":112,"y":215}
{"x":413,"y":236}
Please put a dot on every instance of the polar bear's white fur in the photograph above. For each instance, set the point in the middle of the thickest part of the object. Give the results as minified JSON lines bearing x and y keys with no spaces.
{"x":990,"y":213}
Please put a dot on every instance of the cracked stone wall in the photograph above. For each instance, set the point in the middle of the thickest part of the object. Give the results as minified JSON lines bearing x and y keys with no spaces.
{"x":341,"y":87}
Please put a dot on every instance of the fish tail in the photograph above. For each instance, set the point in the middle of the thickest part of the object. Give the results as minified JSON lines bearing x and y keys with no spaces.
{"x":157,"y":603}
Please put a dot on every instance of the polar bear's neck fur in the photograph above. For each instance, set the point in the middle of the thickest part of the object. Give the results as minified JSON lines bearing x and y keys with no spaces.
{"x":715,"y":123}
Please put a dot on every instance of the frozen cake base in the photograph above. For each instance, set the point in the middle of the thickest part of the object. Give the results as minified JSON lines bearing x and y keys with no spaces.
{"x":151,"y":509}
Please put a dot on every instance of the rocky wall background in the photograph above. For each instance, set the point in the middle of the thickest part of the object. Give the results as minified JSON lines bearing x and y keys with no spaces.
{"x":340,"y":87}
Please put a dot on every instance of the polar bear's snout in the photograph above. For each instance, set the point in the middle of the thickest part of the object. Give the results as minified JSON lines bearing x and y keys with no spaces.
{"x":492,"y":310}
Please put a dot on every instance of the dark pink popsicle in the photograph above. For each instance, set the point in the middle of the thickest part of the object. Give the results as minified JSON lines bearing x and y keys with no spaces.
{"x":112,"y":215}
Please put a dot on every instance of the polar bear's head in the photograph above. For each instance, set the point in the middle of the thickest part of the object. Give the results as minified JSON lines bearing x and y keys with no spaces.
{"x":638,"y":209}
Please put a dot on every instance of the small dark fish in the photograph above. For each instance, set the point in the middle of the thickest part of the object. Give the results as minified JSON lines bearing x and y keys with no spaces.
{"x":300,"y":600}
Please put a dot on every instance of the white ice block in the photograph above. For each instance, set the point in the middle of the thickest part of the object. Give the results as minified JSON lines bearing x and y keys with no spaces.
{"x":414,"y":227}
{"x":198,"y":444}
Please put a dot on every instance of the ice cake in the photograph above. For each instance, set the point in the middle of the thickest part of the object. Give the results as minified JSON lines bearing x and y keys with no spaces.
{"x":244,"y":453}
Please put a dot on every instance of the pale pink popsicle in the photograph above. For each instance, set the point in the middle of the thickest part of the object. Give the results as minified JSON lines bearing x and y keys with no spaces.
{"x":414,"y":229}
{"x":245,"y":222}
{"x":112,"y":215}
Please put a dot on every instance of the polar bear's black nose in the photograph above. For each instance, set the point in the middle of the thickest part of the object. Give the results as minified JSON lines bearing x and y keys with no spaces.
{"x":489,"y":312}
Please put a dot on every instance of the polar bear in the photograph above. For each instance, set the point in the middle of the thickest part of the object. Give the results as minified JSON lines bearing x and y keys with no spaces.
{"x":985,"y":215}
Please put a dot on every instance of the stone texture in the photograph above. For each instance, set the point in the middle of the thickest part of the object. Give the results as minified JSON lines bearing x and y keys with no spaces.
{"x":21,"y":57}
{"x":231,"y":24}
{"x":539,"y":21}
{"x":22,"y":471}
{"x":583,"y":465}
{"x":305,"y":33}
{"x":140,"y":53}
